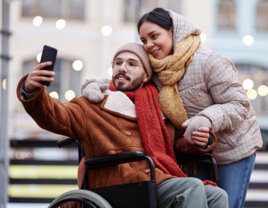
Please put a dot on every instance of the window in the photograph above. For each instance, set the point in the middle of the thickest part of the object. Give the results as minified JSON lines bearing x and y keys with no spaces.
{"x":227,"y":17}
{"x":129,"y":10}
{"x":66,"y":77}
{"x":259,"y":76}
{"x":262,"y":16}
{"x":73,"y":9}
{"x":174,"y":5}
{"x":130,"y":7}
{"x":146,"y":6}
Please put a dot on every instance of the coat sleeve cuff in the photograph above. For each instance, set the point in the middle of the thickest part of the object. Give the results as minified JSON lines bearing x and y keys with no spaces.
{"x":209,"y":143}
{"x":26,"y":95}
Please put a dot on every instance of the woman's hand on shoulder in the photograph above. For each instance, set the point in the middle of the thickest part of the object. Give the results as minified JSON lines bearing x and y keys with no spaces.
{"x":95,"y":89}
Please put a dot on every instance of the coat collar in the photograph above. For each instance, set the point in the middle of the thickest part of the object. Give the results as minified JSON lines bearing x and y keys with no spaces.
{"x":119,"y":104}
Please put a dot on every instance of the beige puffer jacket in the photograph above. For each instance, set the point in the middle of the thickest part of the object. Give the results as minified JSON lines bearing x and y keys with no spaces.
{"x":211,"y":88}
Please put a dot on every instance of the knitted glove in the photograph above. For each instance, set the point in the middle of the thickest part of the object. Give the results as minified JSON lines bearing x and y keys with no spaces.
{"x":94,"y":90}
{"x":193,"y":124}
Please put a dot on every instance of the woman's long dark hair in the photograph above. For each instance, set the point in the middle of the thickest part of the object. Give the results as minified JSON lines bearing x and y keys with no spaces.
{"x":157,"y":16}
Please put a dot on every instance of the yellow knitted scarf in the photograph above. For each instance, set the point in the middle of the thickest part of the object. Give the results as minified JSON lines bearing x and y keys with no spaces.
{"x":170,"y":70}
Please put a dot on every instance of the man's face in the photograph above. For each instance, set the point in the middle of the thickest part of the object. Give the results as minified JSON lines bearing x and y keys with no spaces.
{"x":128,"y":72}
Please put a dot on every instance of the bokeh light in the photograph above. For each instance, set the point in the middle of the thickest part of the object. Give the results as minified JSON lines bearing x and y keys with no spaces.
{"x":77,"y":65}
{"x":203,"y":37}
{"x":252,"y":94}
{"x":38,"y":57}
{"x":248,"y":40}
{"x":263,"y":90}
{"x":69,"y":95}
{"x":60,"y":24}
{"x":4,"y":84}
{"x":106,"y":30}
{"x":110,"y":72}
{"x":37,"y":21}
{"x":54,"y":94}
{"x":248,"y":84}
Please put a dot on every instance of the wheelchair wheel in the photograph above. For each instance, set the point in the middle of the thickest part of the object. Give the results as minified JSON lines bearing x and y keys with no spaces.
{"x":79,"y":199}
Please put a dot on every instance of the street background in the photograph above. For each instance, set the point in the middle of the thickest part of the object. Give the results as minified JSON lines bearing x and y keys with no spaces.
{"x":87,"y":33}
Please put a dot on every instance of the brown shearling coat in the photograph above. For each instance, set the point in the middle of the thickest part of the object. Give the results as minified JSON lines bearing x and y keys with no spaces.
{"x":105,"y":128}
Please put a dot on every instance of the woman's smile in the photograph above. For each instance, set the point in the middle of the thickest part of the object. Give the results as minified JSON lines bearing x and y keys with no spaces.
{"x":154,"y":52}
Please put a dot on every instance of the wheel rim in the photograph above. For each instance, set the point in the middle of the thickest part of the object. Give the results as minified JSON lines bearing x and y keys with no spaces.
{"x":96,"y":200}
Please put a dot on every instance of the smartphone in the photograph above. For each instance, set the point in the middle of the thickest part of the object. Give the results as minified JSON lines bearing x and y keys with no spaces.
{"x":48,"y":54}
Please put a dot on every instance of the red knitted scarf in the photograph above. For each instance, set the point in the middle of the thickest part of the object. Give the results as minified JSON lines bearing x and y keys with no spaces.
{"x":154,"y":134}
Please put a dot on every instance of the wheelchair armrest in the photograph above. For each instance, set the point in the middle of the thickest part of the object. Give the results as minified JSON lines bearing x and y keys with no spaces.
{"x":119,"y":158}
{"x":65,"y":142}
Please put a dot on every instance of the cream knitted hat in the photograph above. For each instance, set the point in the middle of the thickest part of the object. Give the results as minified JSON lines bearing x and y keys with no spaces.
{"x":138,"y":50}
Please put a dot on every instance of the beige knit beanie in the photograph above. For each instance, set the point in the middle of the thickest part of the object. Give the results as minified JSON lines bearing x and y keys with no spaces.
{"x":138,"y":50}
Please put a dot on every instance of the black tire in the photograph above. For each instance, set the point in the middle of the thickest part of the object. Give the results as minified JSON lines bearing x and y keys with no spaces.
{"x":78,"y":203}
{"x":88,"y":198}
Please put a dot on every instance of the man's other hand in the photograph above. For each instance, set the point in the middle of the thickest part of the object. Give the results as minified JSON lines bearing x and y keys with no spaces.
{"x":201,"y":136}
{"x":37,"y":75}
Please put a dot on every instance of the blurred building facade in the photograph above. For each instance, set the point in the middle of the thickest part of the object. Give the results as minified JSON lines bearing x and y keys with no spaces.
{"x":240,"y":31}
{"x":85,"y":31}
{"x":82,"y":36}
{"x":88,"y":32}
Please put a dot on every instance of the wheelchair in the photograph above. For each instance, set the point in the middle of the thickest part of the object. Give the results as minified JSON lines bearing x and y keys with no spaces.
{"x":140,"y":194}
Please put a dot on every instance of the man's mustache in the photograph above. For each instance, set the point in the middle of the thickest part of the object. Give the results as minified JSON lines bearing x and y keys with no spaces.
{"x":123,"y":75}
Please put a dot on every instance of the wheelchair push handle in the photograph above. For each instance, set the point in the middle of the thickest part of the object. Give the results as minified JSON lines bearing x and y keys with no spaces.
{"x":65,"y":142}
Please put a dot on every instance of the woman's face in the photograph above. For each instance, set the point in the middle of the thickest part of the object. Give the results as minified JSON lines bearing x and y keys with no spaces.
{"x":156,"y":40}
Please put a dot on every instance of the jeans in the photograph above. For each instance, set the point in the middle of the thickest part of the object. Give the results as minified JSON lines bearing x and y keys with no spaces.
{"x":233,"y":178}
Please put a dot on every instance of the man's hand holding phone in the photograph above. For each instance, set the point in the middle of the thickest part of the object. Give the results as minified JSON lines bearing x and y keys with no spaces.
{"x":37,"y":75}
{"x":42,"y":75}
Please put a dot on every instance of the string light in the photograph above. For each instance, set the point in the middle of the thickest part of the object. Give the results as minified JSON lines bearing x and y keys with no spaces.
{"x":77,"y":65}
{"x":263,"y":90}
{"x":60,"y":24}
{"x":203,"y":37}
{"x":252,"y":94}
{"x":37,"y":21}
{"x":4,"y":84}
{"x":54,"y":94}
{"x":69,"y":95}
{"x":110,"y":72}
{"x":106,"y":30}
{"x":248,"y":40}
{"x":38,"y":57}
{"x":248,"y":84}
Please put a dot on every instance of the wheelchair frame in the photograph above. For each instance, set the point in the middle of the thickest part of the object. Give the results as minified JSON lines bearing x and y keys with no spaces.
{"x":140,"y":194}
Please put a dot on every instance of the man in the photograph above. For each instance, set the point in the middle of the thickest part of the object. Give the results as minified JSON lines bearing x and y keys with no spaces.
{"x":128,"y":119}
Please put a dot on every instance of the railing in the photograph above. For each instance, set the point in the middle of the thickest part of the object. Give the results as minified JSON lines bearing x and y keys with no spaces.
{"x":40,"y":180}
{"x":59,"y":182}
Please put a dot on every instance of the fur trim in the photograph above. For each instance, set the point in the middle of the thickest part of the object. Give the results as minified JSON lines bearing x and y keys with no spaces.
{"x":120,"y":103}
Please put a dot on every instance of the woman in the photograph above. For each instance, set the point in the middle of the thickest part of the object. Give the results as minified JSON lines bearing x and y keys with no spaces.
{"x":202,"y":87}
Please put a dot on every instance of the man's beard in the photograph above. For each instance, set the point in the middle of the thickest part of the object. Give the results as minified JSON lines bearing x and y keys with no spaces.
{"x":135,"y":84}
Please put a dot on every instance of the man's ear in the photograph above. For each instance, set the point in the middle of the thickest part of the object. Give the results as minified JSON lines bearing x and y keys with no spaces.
{"x":145,"y":79}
